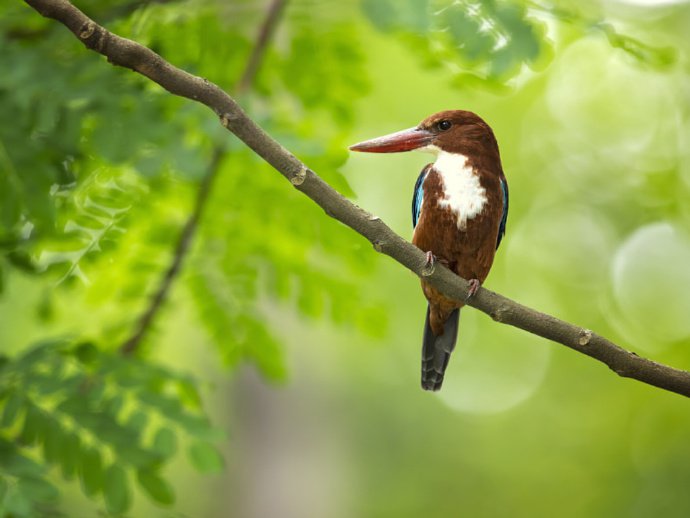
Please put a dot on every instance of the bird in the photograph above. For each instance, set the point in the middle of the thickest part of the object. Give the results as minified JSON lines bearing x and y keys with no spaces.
{"x":459,"y":215}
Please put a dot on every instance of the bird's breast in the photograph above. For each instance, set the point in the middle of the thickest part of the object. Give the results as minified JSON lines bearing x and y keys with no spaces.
{"x":460,"y":189}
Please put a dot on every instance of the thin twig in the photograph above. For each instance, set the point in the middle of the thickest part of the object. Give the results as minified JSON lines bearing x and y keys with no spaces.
{"x":126,"y":53}
{"x":265,"y":33}
{"x":183,"y":244}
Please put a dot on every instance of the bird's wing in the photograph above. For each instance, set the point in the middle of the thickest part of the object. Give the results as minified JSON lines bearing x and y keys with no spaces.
{"x":418,"y":195}
{"x":504,"y":218}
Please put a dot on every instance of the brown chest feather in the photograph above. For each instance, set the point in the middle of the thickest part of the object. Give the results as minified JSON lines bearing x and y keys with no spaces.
{"x":468,"y":249}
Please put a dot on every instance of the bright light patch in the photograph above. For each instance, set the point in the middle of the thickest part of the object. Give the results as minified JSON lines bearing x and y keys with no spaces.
{"x":494,"y":367}
{"x":653,"y":3}
{"x":651,"y":281}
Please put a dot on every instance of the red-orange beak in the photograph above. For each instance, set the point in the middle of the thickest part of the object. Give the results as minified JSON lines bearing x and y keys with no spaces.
{"x":406,"y":140}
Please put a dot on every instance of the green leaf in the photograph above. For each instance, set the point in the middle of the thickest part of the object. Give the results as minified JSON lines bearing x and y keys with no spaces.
{"x":38,"y":489}
{"x":94,"y":391}
{"x":92,"y":221}
{"x":53,"y":442}
{"x":205,"y":457}
{"x":69,"y":455}
{"x":137,"y":421}
{"x":113,"y":405}
{"x":116,"y":490}
{"x":12,"y":406}
{"x":156,"y":487}
{"x":659,"y":57}
{"x":17,"y":503}
{"x":46,"y":383}
{"x":189,"y":394}
{"x":267,"y":354}
{"x":131,"y":452}
{"x":387,"y":15}
{"x":16,"y":464}
{"x":33,"y":425}
{"x":91,"y":471}
{"x":165,"y":442}
{"x":379,"y":13}
{"x":21,"y":260}
{"x":86,"y":352}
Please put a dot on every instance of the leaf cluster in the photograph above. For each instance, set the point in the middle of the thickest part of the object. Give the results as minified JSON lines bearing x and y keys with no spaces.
{"x":98,"y":219}
{"x":487,"y":43}
{"x":100,"y":419}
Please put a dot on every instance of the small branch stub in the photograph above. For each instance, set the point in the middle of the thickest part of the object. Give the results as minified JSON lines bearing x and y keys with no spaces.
{"x":299,"y":177}
{"x":87,"y":30}
{"x":585,"y":337}
{"x":499,"y":313}
{"x":225,"y":120}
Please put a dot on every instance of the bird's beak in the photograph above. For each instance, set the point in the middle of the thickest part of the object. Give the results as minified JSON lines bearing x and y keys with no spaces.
{"x":406,"y":140}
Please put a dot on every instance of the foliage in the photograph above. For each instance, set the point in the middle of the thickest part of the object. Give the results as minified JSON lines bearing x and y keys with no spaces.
{"x":102,"y":419}
{"x":487,"y":43}
{"x":111,"y":186}
{"x":99,"y":171}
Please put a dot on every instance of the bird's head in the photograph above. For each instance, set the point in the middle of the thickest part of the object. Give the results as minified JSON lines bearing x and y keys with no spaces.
{"x":452,"y":131}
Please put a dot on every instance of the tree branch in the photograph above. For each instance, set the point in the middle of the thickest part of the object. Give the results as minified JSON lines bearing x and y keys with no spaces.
{"x":128,"y":54}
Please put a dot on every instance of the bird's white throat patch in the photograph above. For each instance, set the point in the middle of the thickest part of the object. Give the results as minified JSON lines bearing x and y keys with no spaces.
{"x":462,"y":191}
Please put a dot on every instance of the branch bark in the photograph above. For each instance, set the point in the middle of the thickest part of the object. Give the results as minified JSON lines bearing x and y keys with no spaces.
{"x":129,"y":54}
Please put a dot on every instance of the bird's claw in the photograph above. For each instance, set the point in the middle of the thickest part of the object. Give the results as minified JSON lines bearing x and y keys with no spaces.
{"x":429,"y":265}
{"x":474,"y":285}
{"x":431,"y":260}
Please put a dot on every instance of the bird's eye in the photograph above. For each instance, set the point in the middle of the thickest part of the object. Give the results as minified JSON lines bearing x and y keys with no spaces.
{"x":444,"y":125}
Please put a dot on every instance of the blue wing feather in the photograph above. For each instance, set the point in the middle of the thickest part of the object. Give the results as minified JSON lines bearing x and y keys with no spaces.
{"x":504,"y":218}
{"x":418,"y":196}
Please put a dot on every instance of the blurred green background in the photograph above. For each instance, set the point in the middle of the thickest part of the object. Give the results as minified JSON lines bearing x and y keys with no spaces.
{"x":281,"y":377}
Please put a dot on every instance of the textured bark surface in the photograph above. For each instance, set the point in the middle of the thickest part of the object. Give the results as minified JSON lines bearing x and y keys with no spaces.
{"x":129,"y":54}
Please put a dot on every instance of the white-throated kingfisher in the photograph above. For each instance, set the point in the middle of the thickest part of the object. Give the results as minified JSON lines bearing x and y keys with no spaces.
{"x":459,"y":213}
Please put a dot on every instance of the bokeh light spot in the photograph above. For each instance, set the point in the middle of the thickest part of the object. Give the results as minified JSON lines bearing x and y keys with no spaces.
{"x":498,"y":369}
{"x":651,"y":285}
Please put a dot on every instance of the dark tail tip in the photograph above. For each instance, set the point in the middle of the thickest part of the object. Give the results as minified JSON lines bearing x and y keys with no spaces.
{"x":436,"y":351}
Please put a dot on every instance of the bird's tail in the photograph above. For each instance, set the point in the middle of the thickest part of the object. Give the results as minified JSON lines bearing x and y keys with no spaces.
{"x":436,"y":351}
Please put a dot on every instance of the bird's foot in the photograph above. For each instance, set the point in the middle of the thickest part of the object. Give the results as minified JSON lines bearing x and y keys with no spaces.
{"x":429,"y":264}
{"x":474,"y":285}
{"x":431,"y":260}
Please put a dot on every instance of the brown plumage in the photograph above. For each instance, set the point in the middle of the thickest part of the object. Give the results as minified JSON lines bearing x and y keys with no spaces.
{"x":469,"y":250}
{"x":460,"y":220}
